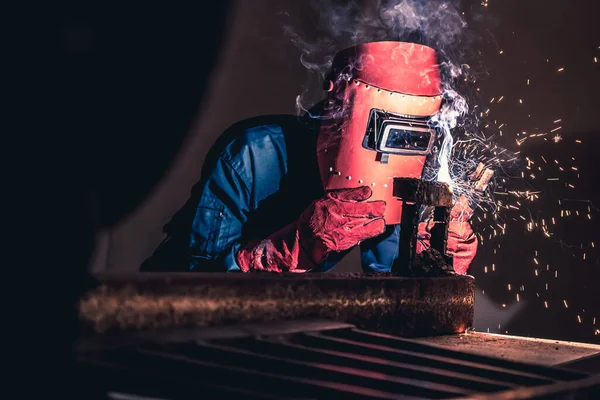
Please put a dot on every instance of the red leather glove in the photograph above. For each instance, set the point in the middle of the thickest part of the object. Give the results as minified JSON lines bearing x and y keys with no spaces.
{"x":462,"y":242}
{"x":335,"y":223}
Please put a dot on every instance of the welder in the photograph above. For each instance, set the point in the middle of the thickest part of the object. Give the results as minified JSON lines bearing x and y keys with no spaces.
{"x":295,"y":194}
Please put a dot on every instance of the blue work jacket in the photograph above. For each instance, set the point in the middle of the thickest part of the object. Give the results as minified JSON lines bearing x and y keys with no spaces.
{"x":259,"y":177}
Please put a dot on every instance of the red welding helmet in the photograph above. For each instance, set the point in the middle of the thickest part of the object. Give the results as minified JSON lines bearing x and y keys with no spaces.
{"x":376,"y":125}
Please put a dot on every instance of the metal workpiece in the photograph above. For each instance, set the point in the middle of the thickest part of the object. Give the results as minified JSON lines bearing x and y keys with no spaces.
{"x":379,"y":302}
{"x":412,"y":194}
{"x":422,"y":192}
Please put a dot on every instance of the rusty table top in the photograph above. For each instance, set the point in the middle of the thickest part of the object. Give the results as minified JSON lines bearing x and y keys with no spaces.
{"x":516,"y":348}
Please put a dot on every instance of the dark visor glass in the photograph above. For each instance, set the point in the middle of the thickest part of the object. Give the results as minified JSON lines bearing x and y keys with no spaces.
{"x":398,"y":134}
{"x":400,"y":138}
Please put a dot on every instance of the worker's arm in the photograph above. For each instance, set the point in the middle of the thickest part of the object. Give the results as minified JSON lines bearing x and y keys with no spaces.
{"x":335,"y":223}
{"x":248,"y":171}
{"x":217,"y":224}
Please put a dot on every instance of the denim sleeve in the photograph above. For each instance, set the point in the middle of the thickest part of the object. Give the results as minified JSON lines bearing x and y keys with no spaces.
{"x":248,"y":170}
{"x":217,"y":224}
{"x":378,"y":254}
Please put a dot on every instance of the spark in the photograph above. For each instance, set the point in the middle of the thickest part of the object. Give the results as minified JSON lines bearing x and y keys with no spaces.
{"x":557,"y":121}
{"x":561,"y":69}
{"x":555,"y":129}
{"x":566,"y":305}
{"x":579,"y":318}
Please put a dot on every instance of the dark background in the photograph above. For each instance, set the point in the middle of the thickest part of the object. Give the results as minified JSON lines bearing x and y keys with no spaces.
{"x":148,"y":90}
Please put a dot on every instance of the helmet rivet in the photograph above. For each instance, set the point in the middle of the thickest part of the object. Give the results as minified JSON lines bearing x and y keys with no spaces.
{"x":360,"y":181}
{"x":372,"y":183}
{"x":349,"y":177}
{"x":385,"y":185}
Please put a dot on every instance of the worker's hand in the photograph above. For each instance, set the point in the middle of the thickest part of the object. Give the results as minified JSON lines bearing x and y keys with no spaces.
{"x":339,"y":221}
{"x":462,"y":242}
{"x":336,"y":222}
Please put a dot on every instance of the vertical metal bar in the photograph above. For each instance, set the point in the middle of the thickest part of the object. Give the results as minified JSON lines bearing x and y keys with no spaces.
{"x":408,"y":238}
{"x":439,"y":231}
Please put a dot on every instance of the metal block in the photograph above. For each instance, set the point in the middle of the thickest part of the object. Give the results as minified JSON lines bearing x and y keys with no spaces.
{"x":379,"y":302}
{"x":415,"y":193}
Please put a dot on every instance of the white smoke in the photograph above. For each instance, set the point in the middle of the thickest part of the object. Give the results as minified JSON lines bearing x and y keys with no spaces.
{"x":446,"y":120}
{"x":438,"y":24}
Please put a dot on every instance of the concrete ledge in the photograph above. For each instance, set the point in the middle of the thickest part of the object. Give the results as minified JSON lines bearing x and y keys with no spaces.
{"x":384,"y":303}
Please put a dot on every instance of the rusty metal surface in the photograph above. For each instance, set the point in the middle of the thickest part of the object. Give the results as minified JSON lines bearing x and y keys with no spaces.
{"x":522,"y":349}
{"x":427,"y":193}
{"x":313,"y":359}
{"x":383,"y":303}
